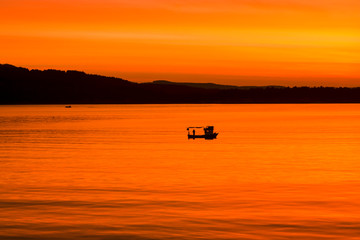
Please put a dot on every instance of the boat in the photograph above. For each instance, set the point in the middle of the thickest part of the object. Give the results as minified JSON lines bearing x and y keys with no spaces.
{"x":209,"y":133}
{"x":68,"y":106}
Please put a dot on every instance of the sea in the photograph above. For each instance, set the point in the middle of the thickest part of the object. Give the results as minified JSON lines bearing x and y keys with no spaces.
{"x":275,"y":171}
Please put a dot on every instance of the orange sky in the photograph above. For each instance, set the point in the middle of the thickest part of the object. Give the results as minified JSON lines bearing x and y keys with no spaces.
{"x":241,"y":42}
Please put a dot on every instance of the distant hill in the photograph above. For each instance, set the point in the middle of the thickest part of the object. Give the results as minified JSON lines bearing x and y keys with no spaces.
{"x":210,"y":85}
{"x":24,"y":86}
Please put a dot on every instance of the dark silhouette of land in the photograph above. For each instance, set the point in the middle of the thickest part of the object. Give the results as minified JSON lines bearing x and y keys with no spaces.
{"x":24,"y":86}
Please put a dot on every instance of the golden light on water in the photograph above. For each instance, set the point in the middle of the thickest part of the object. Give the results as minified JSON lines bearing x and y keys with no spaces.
{"x":129,"y":171}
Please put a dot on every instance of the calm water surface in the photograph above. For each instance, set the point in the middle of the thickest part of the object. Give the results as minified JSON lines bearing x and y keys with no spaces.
{"x":129,"y":172}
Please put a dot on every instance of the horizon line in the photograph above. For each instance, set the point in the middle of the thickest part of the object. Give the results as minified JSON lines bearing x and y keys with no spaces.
{"x":153,"y":80}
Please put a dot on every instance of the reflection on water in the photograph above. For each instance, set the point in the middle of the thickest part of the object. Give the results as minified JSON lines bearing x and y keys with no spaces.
{"x":129,"y":172}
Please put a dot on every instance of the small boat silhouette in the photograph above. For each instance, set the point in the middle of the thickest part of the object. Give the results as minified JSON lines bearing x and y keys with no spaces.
{"x":68,"y":106}
{"x":209,"y":133}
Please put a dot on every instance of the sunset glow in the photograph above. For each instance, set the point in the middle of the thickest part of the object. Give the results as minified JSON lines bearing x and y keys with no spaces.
{"x":244,"y":42}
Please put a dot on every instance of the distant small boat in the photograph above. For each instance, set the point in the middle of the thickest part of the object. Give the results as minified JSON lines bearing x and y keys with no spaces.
{"x":68,"y":106}
{"x":209,"y":133}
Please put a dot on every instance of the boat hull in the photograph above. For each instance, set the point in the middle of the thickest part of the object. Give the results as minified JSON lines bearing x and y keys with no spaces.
{"x":207,"y":136}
